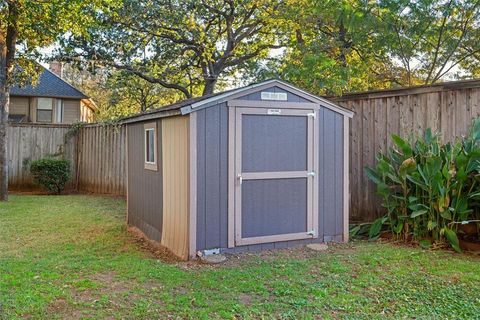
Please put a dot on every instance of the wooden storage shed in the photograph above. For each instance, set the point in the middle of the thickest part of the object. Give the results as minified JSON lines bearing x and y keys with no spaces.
{"x":259,"y":167}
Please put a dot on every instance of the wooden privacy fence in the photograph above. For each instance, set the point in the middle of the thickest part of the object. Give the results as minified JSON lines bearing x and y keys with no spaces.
{"x":447,"y":108}
{"x":27,"y":142}
{"x":96,"y":153}
{"x":102,"y":159}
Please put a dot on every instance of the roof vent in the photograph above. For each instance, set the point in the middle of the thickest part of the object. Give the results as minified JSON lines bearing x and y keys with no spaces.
{"x":277,"y":96}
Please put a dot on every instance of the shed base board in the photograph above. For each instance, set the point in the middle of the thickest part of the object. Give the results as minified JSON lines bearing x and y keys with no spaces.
{"x":281,"y":244}
{"x":147,"y":230}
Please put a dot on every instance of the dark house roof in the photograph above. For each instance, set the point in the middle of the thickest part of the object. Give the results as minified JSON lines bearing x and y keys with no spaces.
{"x":49,"y":85}
{"x":190,"y":105}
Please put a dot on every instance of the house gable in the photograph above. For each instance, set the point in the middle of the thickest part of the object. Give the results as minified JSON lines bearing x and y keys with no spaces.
{"x":49,"y":85}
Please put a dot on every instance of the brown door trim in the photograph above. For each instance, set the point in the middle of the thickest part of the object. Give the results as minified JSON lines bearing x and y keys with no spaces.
{"x":231,"y":177}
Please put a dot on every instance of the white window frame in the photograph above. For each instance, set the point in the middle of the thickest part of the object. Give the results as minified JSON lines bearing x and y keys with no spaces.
{"x":148,"y":164}
{"x":49,"y":109}
{"x":59,"y":112}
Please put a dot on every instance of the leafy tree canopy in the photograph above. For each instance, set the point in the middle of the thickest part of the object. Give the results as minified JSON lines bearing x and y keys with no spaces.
{"x":187,"y":45}
{"x":352,"y":45}
{"x":27,"y":26}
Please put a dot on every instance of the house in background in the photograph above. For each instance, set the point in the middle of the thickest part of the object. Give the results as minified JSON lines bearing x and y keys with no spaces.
{"x":51,"y":100}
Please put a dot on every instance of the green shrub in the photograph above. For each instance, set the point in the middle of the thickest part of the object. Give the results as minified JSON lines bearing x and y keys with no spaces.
{"x":429,"y":188}
{"x":50,"y":173}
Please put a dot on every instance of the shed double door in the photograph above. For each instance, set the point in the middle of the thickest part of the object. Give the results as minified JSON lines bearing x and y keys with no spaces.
{"x":275,"y":175}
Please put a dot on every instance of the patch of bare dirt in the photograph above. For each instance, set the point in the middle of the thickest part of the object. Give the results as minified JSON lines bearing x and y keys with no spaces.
{"x":152,"y":285}
{"x":60,"y":307}
{"x":245,"y":299}
{"x":109,"y":283}
{"x":84,"y":299}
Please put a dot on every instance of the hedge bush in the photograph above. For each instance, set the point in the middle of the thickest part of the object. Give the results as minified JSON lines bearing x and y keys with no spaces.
{"x":429,"y":188}
{"x":50,"y":173}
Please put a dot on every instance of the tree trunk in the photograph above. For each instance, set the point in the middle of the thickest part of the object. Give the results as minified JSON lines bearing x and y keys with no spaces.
{"x":209,"y":86}
{"x":342,"y":37}
{"x":4,"y":103}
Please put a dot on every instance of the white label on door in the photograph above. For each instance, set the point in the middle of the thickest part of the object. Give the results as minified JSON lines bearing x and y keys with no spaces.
{"x":274,"y":111}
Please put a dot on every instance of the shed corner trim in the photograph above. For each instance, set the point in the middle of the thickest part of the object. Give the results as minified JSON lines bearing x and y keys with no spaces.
{"x":192,"y":186}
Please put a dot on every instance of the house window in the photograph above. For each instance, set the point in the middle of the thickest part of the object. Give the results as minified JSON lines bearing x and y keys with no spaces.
{"x":150,"y":138}
{"x":44,"y":109}
{"x":59,"y":111}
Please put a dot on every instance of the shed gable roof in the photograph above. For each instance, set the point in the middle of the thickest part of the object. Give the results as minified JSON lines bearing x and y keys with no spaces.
{"x":49,"y":85}
{"x":237,"y":93}
{"x":191,"y":105}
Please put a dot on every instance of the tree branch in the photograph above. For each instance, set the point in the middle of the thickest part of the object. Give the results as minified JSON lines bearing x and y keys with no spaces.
{"x":439,"y":74}
{"x":151,"y":79}
{"x":437,"y":47}
{"x":251,"y":55}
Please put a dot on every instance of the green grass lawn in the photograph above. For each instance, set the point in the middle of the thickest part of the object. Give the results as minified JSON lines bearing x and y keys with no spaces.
{"x":70,"y":257}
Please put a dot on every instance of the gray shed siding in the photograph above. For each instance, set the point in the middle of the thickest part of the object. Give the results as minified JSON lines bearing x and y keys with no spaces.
{"x":330,"y":201}
{"x":145,"y":196}
{"x":212,"y":179}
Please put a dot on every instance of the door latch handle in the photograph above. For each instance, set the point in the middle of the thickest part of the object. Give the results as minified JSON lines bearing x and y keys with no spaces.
{"x":240,"y":178}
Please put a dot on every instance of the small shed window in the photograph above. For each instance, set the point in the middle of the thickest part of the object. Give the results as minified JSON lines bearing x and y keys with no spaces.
{"x":149,"y":141}
{"x":150,"y":146}
{"x":44,"y":109}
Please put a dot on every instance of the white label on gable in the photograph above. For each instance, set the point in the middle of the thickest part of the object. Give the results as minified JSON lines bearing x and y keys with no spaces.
{"x":277,"y":96}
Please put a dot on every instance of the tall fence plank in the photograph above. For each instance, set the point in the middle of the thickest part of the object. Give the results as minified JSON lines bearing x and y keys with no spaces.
{"x":447,"y":109}
{"x":102,"y":159}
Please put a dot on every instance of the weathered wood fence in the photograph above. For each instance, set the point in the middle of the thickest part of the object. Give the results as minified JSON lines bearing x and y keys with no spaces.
{"x":28,"y":142}
{"x":102,"y":159}
{"x":447,"y":108}
{"x":96,"y":153}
